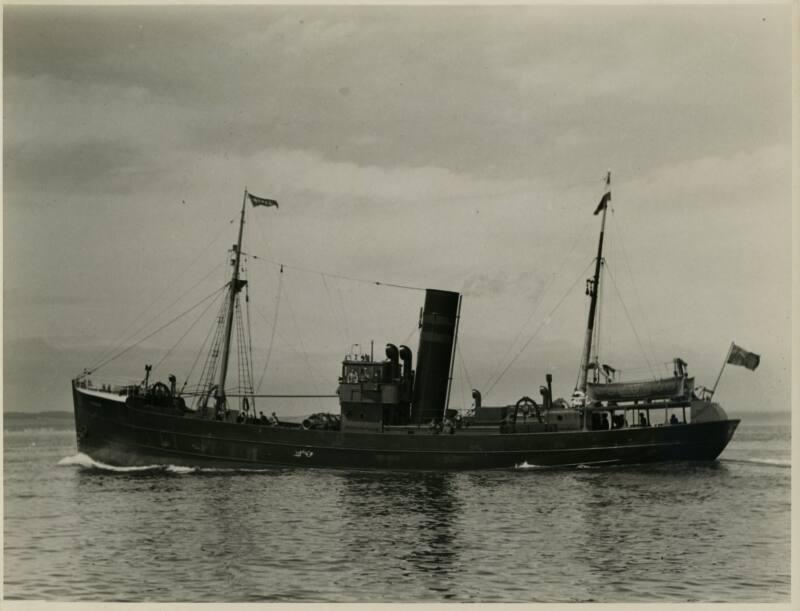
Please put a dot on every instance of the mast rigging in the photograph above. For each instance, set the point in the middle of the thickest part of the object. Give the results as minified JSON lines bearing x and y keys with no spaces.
{"x":234,"y":287}
{"x":593,"y":289}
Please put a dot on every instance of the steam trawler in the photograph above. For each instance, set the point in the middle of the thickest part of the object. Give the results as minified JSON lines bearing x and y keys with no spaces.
{"x":394,"y":413}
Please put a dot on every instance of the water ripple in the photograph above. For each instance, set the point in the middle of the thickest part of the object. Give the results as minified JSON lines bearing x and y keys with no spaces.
{"x":77,"y":530}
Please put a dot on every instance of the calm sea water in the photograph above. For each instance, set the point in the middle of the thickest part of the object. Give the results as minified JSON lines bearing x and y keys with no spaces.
{"x":669,"y":533}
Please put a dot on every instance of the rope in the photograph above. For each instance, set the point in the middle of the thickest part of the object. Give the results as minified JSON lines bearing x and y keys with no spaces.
{"x":248,"y":367}
{"x":274,"y":327}
{"x":599,"y":316}
{"x":242,"y":366}
{"x":194,"y":260}
{"x":339,"y":276}
{"x":464,"y":366}
{"x":153,"y":319}
{"x":627,"y":314}
{"x":300,"y":339}
{"x":274,"y":396}
{"x":586,"y":308}
{"x":279,"y":335}
{"x":540,"y":327}
{"x":410,"y":335}
{"x":164,"y":326}
{"x":635,"y":288}
{"x":175,"y":345}
{"x":197,"y":359}
{"x":210,"y":365}
{"x":464,"y":395}
{"x":577,"y":239}
{"x":333,"y":309}
{"x":344,"y":310}
{"x":249,"y":339}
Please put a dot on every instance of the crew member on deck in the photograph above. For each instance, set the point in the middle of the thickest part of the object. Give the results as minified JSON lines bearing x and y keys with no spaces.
{"x":673,"y":419}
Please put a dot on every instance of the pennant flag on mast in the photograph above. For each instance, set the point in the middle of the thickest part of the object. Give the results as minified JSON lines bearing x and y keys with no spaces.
{"x":740,"y":356}
{"x":261,"y":201}
{"x":606,"y":196}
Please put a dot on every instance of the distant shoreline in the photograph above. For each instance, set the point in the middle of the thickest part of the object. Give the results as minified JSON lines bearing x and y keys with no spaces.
{"x":18,"y":421}
{"x":53,"y":413}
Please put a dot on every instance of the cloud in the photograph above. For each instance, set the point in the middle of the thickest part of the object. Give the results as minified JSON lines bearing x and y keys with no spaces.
{"x":720,"y":181}
{"x":452,"y":147}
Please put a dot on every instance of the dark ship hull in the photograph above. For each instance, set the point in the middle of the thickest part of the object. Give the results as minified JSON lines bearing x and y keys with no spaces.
{"x":113,"y":432}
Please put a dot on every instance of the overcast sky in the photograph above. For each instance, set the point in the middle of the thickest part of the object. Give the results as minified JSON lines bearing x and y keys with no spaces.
{"x":455,"y":148}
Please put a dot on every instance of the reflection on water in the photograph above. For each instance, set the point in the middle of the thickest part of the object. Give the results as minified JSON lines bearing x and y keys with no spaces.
{"x":417,"y":511}
{"x":668,"y":533}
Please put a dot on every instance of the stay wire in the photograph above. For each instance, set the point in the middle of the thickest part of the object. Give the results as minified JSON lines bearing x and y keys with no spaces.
{"x":630,"y":321}
{"x":339,"y":276}
{"x":278,"y":334}
{"x":578,"y":234}
{"x":161,"y":328}
{"x":618,"y":227}
{"x":242,"y":351}
{"x":540,"y":327}
{"x":156,"y":317}
{"x":249,"y":340}
{"x":599,"y":316}
{"x":272,"y":333}
{"x":344,"y":310}
{"x":208,"y":372}
{"x":200,"y":353}
{"x":302,"y":344}
{"x":464,"y":395}
{"x":411,"y":334}
{"x":194,"y":260}
{"x":208,"y":307}
{"x":213,"y":335}
{"x":333,"y":309}
{"x":464,"y":366}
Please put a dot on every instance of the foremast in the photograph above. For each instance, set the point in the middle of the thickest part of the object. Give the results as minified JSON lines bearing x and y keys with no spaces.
{"x":593,"y":290}
{"x":234,"y":288}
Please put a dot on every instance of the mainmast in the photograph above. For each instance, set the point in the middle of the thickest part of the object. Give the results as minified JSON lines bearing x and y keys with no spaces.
{"x":236,"y":285}
{"x":593,"y":289}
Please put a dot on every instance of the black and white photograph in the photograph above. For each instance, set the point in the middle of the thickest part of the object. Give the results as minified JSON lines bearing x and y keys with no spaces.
{"x":397,"y":303}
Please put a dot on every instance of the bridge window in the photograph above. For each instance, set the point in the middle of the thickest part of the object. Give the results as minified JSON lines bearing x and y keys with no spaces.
{"x":353,"y":374}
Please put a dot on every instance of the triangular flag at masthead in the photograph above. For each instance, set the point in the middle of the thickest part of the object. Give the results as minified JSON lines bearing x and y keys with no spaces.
{"x":261,"y":201}
{"x":606,"y":196}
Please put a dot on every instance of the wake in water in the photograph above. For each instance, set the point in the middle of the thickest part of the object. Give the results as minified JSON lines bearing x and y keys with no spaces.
{"x":772,"y":462}
{"x":767,"y":462}
{"x":598,"y":465}
{"x":87,"y":462}
{"x":83,"y":461}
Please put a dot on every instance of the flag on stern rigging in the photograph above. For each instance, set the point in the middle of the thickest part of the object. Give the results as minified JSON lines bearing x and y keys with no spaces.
{"x":740,"y":356}
{"x":261,"y":201}
{"x":606,"y":196}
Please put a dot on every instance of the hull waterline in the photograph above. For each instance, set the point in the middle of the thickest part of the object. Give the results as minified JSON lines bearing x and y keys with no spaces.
{"x":115,"y":433}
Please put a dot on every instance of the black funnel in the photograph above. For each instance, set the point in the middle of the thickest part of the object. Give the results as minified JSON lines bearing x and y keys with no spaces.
{"x":436,"y":341}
